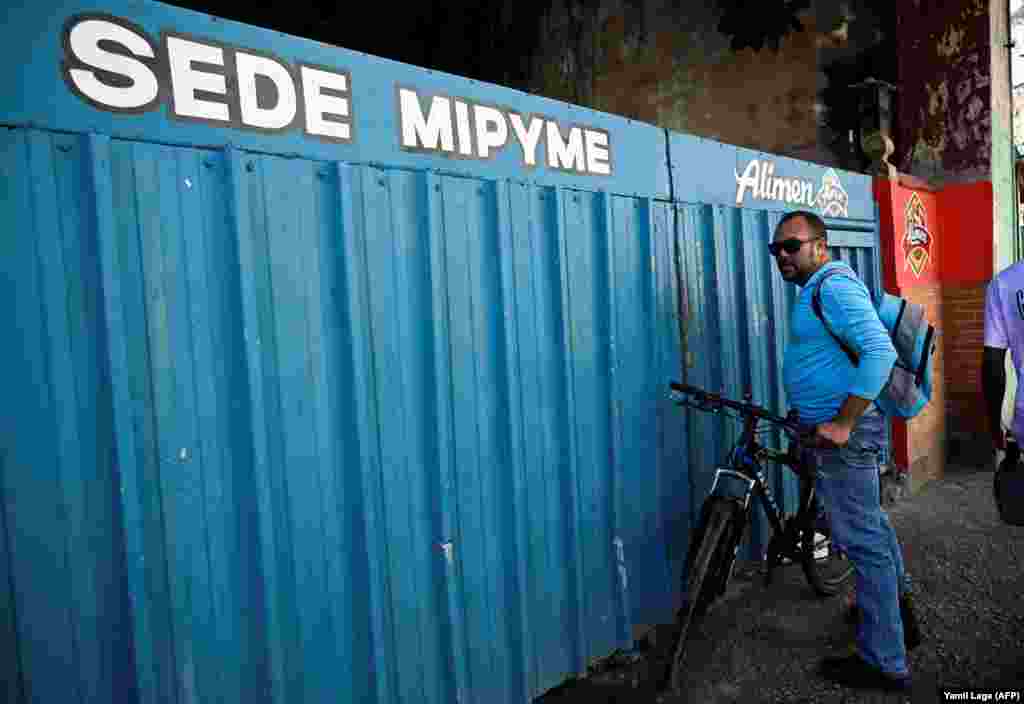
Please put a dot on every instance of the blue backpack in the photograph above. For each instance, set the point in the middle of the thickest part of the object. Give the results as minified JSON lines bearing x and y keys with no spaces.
{"x":909,"y":387}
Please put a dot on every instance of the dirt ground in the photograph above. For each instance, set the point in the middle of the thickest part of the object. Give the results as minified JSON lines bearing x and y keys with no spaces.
{"x":762,"y":644}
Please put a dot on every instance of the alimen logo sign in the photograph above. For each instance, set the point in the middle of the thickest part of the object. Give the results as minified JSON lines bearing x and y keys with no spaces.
{"x":115,"y":66}
{"x":759,"y":178}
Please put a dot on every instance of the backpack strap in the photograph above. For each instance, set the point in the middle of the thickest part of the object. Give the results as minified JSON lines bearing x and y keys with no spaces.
{"x":816,"y":307}
{"x":925,"y":355}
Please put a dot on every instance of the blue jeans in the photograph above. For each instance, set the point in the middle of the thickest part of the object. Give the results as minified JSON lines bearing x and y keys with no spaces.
{"x":847,"y":484}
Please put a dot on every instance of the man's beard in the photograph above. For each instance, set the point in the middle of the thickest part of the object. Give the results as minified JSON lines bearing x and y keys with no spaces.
{"x":792,"y":277}
{"x":798,"y":277}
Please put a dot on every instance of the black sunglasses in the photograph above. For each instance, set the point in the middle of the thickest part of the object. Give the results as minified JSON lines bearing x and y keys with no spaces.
{"x":790,"y":246}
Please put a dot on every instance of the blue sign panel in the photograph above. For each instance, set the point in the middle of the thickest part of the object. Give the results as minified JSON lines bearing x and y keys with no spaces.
{"x":705,"y":171}
{"x":160,"y":73}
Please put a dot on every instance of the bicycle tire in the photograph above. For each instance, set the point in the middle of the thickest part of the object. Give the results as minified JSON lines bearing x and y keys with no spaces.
{"x":827,"y":569}
{"x":706,"y":577}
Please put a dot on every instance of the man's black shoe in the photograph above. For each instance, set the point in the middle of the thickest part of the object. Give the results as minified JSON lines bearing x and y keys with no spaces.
{"x":911,"y":629}
{"x":852,"y":671}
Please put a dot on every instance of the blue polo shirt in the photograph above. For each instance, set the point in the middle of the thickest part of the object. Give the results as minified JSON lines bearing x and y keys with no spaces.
{"x":817,"y":373}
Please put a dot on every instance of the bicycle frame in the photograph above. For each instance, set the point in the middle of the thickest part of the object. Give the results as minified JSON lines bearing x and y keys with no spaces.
{"x":747,"y":468}
{"x":715,"y":541}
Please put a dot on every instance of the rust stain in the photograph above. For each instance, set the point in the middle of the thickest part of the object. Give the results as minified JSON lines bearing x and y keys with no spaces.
{"x":938,"y":98}
{"x":690,"y":81}
{"x":944,"y":89}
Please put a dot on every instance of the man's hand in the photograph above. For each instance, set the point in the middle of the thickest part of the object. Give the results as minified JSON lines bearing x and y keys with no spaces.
{"x":836,"y":432}
{"x":832,"y":434}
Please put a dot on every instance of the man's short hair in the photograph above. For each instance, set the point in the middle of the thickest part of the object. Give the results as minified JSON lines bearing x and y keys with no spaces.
{"x":816,"y":224}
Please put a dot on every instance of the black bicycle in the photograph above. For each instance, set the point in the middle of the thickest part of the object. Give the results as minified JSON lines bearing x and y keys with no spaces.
{"x":802,"y":538}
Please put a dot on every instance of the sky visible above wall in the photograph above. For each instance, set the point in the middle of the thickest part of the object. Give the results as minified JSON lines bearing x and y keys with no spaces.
{"x":1017,"y":36}
{"x":1017,"y":70}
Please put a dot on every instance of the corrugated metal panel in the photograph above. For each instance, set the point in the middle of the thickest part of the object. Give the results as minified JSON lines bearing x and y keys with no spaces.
{"x":63,"y":540}
{"x":672,"y":463}
{"x":365,"y":431}
{"x":283,"y":430}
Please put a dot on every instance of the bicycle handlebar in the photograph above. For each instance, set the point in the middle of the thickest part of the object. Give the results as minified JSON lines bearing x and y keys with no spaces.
{"x":746,"y":409}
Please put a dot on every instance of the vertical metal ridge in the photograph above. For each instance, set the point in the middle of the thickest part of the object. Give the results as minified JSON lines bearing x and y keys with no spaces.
{"x":320,"y":627}
{"x":495,"y":328}
{"x":15,"y":684}
{"x":541,"y":375}
{"x":553,"y":422}
{"x":195,"y":292}
{"x":588,"y":319}
{"x":616,"y":488}
{"x":405,"y":388}
{"x":754,"y":270}
{"x":521,"y":301}
{"x":478,"y":230}
{"x":241,"y":210}
{"x":91,"y":483}
{"x":333,"y":435}
{"x":14,"y":687}
{"x":520,"y":656}
{"x":579,"y":612}
{"x":425,"y":464}
{"x":168,"y":332}
{"x":730,"y":307}
{"x":705,"y":433}
{"x":58,"y":364}
{"x":689,"y":277}
{"x":220,"y":373}
{"x":283,"y":401}
{"x":640,"y":566}
{"x":448,"y":545}
{"x":351,"y":190}
{"x":151,"y":685}
{"x":713,"y":335}
{"x":677,"y":338}
{"x":282,"y":329}
{"x":751,"y":259}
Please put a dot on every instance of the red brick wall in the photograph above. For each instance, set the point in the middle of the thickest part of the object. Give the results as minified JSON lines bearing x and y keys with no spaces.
{"x":966,"y":212}
{"x":963,"y":309}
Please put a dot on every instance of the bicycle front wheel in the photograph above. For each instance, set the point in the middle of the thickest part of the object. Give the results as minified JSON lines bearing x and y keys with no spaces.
{"x":709,"y":570}
{"x":826,"y":566}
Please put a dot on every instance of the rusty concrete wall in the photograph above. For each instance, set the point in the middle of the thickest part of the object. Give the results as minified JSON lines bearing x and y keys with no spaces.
{"x":665,"y":63}
{"x":944,"y":132}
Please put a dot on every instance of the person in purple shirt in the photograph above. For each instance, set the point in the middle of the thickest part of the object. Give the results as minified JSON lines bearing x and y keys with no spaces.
{"x":828,"y":391}
{"x":1004,"y":330}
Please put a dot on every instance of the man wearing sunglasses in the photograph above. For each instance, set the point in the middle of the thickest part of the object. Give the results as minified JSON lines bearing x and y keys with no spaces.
{"x":831,"y":392}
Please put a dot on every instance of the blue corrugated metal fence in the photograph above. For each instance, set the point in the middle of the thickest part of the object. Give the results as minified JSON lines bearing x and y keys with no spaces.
{"x":354,"y":424}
